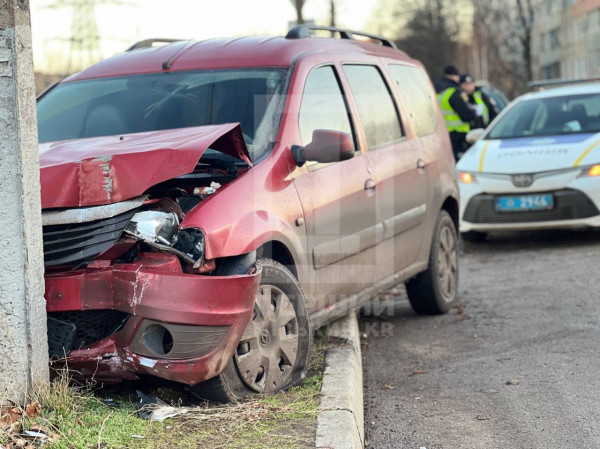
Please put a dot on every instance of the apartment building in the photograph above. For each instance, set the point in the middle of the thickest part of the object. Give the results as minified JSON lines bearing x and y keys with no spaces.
{"x":566,"y":39}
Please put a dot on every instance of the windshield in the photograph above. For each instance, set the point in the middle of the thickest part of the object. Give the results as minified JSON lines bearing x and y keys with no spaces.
{"x":573,"y":114}
{"x":139,"y":103}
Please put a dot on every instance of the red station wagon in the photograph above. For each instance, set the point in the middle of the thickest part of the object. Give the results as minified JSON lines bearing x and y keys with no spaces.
{"x":207,"y":205}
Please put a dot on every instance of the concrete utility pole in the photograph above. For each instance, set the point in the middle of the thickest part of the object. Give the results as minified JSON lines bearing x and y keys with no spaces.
{"x":23,"y":335}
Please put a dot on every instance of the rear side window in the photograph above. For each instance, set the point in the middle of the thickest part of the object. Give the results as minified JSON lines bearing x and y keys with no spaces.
{"x":323,"y":105}
{"x":376,"y":108}
{"x":416,"y":93}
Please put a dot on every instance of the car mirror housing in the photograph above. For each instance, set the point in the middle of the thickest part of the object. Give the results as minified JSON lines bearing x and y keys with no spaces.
{"x":474,"y":135}
{"x":327,"y":146}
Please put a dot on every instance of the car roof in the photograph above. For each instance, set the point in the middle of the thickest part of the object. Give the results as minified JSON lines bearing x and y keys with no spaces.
{"x":223,"y":53}
{"x":576,"y":89}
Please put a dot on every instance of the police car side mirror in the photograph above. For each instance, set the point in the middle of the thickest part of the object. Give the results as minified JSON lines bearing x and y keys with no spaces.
{"x":474,"y":135}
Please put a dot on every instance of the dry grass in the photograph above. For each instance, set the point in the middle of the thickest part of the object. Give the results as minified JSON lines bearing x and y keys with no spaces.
{"x":77,"y":417}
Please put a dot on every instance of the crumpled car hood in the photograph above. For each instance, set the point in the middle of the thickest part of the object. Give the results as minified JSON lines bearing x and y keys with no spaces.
{"x":105,"y":170}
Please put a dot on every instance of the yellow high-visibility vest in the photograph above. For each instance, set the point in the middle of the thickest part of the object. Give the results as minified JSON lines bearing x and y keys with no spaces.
{"x":453,"y":121}
{"x":486,"y":112}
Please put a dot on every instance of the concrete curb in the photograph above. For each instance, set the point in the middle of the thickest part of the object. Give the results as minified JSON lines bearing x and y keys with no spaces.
{"x":340,"y":424}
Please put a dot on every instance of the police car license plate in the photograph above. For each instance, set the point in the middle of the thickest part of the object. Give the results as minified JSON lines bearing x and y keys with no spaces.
{"x":524,"y":203}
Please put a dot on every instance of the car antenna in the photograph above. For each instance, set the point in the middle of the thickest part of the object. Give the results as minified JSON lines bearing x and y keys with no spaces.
{"x":169,"y":62}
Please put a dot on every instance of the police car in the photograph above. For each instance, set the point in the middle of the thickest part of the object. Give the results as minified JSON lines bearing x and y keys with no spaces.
{"x":537,"y":166}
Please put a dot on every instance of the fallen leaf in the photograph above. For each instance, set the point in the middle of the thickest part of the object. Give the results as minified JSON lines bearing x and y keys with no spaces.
{"x":33,"y":410}
{"x":417,"y":372}
{"x":388,"y":387}
{"x":13,"y":414}
{"x":79,"y":421}
{"x":512,"y":382}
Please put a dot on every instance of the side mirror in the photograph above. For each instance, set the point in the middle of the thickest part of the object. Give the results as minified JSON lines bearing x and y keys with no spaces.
{"x":326,"y":146}
{"x":474,"y":135}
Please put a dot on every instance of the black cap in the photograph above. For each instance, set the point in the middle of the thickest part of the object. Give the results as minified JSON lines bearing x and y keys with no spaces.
{"x":465,"y":78}
{"x":451,"y":70}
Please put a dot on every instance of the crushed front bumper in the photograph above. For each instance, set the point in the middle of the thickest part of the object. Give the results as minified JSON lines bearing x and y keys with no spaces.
{"x":181,"y":327}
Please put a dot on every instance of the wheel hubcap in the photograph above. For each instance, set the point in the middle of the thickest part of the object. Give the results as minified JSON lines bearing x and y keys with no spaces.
{"x":268,"y":349}
{"x":448,"y":263}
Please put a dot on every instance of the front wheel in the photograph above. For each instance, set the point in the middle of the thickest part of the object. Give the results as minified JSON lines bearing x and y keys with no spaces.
{"x":433,"y":291}
{"x":273,"y":352}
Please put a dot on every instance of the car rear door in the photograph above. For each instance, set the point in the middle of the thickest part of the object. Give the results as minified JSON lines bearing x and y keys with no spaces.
{"x":338,"y":199}
{"x":402,"y":185}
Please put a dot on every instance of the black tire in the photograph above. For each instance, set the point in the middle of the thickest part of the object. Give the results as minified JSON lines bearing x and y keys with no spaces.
{"x":433,"y":291}
{"x":473,"y":236}
{"x":238,"y":380}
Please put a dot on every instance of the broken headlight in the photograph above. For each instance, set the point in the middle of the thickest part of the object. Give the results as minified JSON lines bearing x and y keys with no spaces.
{"x":154,"y":227}
{"x":160,"y":230}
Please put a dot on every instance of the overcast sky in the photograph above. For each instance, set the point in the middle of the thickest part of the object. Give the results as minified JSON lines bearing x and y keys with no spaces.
{"x":126,"y":21}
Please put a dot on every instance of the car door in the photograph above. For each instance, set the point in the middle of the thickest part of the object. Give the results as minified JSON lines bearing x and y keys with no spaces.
{"x":402,"y":184}
{"x":338,"y":199}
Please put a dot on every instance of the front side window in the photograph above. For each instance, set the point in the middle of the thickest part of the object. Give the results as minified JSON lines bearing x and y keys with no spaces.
{"x":416,"y":93}
{"x":572,"y":114}
{"x":323,"y":105}
{"x":376,"y":108}
{"x":140,"y":103}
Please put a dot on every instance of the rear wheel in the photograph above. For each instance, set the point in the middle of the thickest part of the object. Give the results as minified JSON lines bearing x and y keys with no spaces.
{"x":433,"y":291}
{"x":274,"y":349}
{"x":473,"y":236}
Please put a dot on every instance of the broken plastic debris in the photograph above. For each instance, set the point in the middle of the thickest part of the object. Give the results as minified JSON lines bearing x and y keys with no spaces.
{"x":161,"y":413}
{"x":146,"y":404}
{"x":31,"y":434}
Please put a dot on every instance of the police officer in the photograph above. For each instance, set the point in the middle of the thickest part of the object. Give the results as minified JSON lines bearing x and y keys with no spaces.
{"x":454,"y":103}
{"x":484,"y":107}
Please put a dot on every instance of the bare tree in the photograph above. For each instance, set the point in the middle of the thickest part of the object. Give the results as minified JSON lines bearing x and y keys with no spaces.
{"x":502,"y":34}
{"x":299,"y":4}
{"x":526,"y":16}
{"x":332,"y":12}
{"x":428,"y":30}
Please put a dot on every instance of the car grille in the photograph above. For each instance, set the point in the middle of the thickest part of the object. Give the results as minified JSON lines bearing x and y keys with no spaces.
{"x":75,"y":243}
{"x":75,"y":330}
{"x":568,"y":205}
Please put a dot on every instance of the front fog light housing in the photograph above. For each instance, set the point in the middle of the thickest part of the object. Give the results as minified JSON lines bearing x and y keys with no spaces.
{"x":466,"y":177}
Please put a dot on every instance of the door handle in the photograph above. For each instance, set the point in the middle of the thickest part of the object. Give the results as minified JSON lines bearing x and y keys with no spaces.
{"x":370,"y":184}
{"x":421,"y":164}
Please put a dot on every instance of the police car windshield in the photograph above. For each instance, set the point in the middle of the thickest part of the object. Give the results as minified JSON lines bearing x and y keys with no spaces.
{"x":572,"y":114}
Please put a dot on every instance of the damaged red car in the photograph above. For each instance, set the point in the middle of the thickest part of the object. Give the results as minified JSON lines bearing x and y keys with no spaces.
{"x":207,"y":205}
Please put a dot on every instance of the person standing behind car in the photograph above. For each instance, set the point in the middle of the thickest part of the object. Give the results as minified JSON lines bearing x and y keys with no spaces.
{"x":484,"y":107}
{"x":454,"y":103}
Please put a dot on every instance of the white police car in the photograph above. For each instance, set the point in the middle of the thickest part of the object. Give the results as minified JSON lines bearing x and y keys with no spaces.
{"x":537,"y":166}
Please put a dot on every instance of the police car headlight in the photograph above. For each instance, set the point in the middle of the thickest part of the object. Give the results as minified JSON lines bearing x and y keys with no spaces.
{"x":466,"y":177}
{"x":592,"y":171}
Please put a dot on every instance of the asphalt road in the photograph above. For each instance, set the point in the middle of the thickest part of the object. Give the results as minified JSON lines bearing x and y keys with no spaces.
{"x":517,"y":367}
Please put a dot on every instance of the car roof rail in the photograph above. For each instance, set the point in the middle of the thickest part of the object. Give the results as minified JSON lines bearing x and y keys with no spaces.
{"x":556,"y":82}
{"x":148,"y":43}
{"x":304,"y":31}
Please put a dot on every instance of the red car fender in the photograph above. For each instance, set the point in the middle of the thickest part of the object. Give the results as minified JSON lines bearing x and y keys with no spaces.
{"x":260,"y":206}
